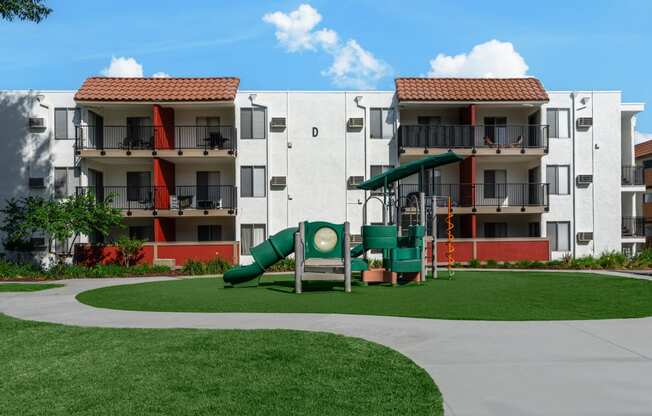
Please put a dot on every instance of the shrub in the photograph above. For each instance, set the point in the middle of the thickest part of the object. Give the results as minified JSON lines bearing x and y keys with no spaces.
{"x":284,"y":265}
{"x":523,"y":264}
{"x":474,"y":263}
{"x":537,"y":265}
{"x":214,"y":266}
{"x":584,"y":262}
{"x":375,"y":263}
{"x":129,"y":249}
{"x":553,"y":264}
{"x":642,"y":259}
{"x":11,"y":271}
{"x":612,"y":260}
{"x":491,"y":263}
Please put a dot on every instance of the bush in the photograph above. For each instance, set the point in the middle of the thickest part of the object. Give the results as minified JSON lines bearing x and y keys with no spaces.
{"x":375,"y":264}
{"x":10,"y":271}
{"x":284,"y":265}
{"x":214,"y":266}
{"x":129,"y":249}
{"x":491,"y":263}
{"x":523,"y":264}
{"x":612,"y":260}
{"x":474,"y":263}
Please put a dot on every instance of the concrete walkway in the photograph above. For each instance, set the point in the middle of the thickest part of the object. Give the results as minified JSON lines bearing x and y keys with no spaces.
{"x":482,"y":368}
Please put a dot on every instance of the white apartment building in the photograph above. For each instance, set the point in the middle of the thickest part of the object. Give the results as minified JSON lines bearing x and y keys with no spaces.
{"x":200,"y":168}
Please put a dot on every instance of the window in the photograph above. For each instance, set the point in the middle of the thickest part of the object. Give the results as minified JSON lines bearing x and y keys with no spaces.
{"x":558,"y":179}
{"x":252,"y":181}
{"x":495,"y":185}
{"x":139,"y":187}
{"x":382,"y":123}
{"x":66,"y":181}
{"x":252,"y":123}
{"x":65,"y":120}
{"x":559,"y":235}
{"x":375,"y":170}
{"x":250,"y":236}
{"x":558,"y":122}
{"x":647,"y":198}
{"x":495,"y":229}
{"x":647,"y":164}
{"x":140,"y":232}
{"x":534,"y":229}
{"x":209,"y":232}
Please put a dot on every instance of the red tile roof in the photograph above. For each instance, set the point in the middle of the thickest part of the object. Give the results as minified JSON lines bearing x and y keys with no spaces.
{"x":158,"y":89}
{"x":643,"y":149}
{"x":470,"y":89}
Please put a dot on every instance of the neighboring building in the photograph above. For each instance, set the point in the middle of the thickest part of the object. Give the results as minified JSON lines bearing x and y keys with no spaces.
{"x":643,"y":153}
{"x":200,"y":168}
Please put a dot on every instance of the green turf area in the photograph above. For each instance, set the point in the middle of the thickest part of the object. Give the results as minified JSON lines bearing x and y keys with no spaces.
{"x":26,"y":287}
{"x":62,"y":370}
{"x":470,"y":295}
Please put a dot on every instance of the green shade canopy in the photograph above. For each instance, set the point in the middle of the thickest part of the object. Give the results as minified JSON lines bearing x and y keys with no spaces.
{"x":408,"y":169}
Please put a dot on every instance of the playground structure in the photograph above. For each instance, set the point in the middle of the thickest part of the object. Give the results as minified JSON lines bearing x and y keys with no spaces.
{"x":323,"y":250}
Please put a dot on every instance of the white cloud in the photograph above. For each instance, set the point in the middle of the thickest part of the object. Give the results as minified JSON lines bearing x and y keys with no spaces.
{"x":128,"y":67}
{"x":352,"y":66}
{"x":489,"y":59}
{"x":355,"y":67}
{"x":123,"y":67}
{"x":294,"y":29}
{"x":642,"y":137}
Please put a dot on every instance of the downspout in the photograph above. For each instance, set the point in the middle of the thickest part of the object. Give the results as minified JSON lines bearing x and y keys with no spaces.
{"x":595,"y":147}
{"x":572,"y":127}
{"x":357,"y":100}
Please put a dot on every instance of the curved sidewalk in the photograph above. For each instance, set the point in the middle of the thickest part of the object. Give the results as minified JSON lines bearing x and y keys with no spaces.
{"x":482,"y":368}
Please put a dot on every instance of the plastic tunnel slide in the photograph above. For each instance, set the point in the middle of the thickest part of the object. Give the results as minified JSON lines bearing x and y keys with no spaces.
{"x":265,"y":254}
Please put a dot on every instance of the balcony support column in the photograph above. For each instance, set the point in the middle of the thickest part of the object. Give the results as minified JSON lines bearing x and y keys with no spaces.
{"x":163,"y":183}
{"x":164,"y":229}
{"x":163,"y":122}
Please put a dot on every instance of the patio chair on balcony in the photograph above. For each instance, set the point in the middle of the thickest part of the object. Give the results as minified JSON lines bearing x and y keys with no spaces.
{"x":518,"y":142}
{"x":489,"y":142}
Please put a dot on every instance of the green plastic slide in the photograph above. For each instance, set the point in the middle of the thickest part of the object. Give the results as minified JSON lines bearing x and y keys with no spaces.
{"x":275,"y":248}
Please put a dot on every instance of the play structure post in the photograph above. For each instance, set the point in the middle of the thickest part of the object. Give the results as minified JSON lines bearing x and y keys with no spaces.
{"x":433,"y":247}
{"x":397,"y":206}
{"x":422,"y":222}
{"x":347,"y":256}
{"x":298,"y":256}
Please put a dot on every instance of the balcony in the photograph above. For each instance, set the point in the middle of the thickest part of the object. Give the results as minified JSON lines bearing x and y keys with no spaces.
{"x":193,"y":200}
{"x":632,"y":176}
{"x":633,"y":227}
{"x":482,"y":198}
{"x":479,"y":139}
{"x":153,"y":140}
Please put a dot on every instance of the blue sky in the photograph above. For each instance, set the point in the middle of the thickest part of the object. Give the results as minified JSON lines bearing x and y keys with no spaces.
{"x":338,"y":44}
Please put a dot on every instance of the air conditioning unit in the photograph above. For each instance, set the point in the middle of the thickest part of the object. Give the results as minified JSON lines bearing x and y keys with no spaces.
{"x":36,"y":123}
{"x":584,"y":122}
{"x":584,"y":237}
{"x":278,"y":123}
{"x":36,"y":183}
{"x":584,"y":180}
{"x":174,"y":202}
{"x":278,"y":181}
{"x":354,"y":181}
{"x":355,"y":123}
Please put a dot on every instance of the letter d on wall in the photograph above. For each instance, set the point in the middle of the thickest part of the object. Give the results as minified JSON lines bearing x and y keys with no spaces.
{"x":315,"y":132}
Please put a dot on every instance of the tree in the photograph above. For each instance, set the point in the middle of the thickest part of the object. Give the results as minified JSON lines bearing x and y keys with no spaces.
{"x":129,"y":249}
{"x":59,"y":220}
{"x":30,"y":10}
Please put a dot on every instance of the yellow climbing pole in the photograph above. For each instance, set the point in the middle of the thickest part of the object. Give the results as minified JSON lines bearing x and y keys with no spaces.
{"x":449,"y":229}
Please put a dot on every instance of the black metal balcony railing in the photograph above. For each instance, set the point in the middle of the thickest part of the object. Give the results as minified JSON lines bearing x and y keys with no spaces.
{"x":497,"y":195}
{"x":116,"y":137}
{"x":534,"y":136}
{"x":158,"y":197}
{"x":206,"y":197}
{"x":205,"y":137}
{"x":633,"y":227}
{"x":152,"y":137}
{"x":633,"y":175}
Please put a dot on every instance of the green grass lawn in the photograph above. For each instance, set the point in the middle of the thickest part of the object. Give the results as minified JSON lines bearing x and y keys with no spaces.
{"x":471,"y":295}
{"x":62,"y":370}
{"x":26,"y":287}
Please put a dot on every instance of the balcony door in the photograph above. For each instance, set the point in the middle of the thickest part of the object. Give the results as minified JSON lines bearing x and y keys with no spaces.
{"x":495,"y":185}
{"x":208,"y":189}
{"x":208,"y":131}
{"x":535,"y":191}
{"x":139,"y":188}
{"x":495,"y":129}
{"x":96,"y":184}
{"x":139,"y":132}
{"x":95,"y":130}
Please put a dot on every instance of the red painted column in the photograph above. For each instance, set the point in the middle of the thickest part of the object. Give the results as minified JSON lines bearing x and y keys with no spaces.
{"x":163,"y":121}
{"x":164,"y":229}
{"x":163,"y":183}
